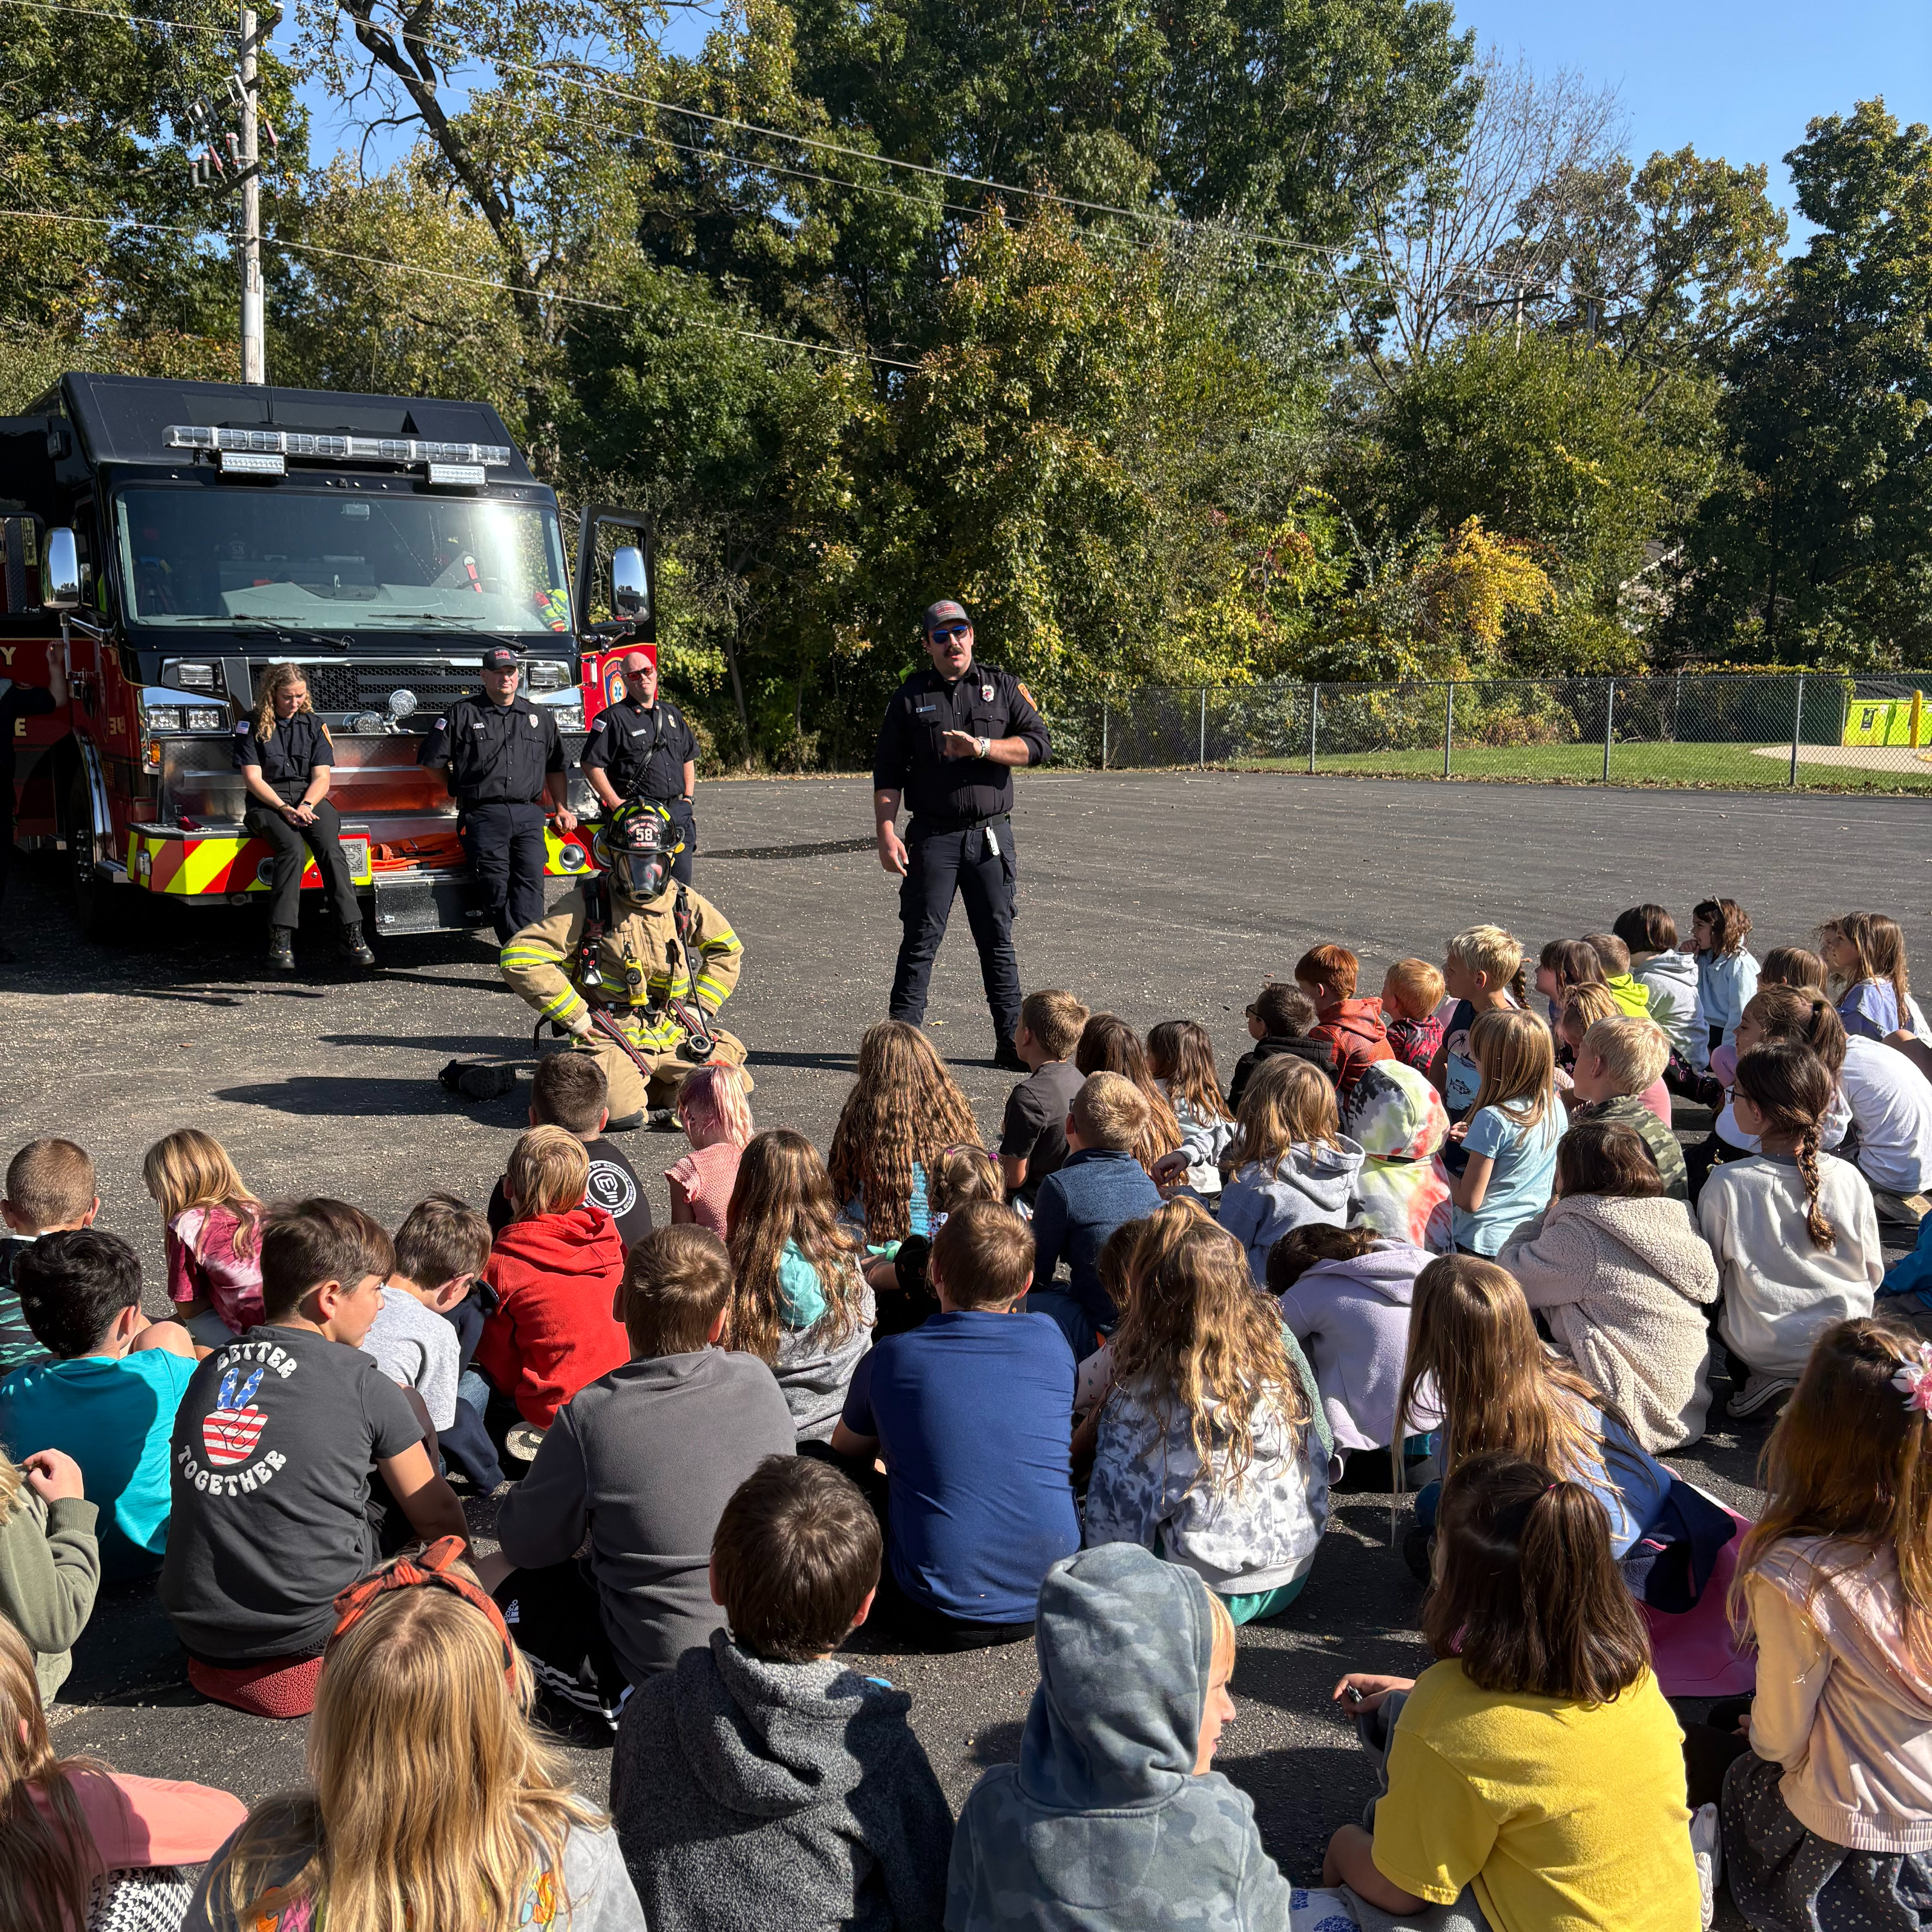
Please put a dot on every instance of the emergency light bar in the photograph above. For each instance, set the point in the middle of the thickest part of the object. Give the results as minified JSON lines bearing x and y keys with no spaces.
{"x":331,"y":449}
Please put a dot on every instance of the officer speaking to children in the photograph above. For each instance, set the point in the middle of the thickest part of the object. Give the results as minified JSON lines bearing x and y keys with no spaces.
{"x":951,"y":739}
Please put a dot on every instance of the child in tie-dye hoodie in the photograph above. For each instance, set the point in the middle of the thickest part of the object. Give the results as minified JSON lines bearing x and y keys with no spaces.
{"x":1400,"y":1123}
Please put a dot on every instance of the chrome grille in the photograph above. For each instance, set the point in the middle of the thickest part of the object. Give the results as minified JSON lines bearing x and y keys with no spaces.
{"x":363,"y":687}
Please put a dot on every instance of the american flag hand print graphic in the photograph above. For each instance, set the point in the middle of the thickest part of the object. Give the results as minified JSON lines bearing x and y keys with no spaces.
{"x":231,"y":1429}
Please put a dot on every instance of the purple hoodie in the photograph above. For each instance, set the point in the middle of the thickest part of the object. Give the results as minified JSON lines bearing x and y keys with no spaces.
{"x":1352,"y":1318}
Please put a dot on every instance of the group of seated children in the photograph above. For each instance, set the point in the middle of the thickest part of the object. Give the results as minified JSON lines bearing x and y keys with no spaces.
{"x":755,"y":1430}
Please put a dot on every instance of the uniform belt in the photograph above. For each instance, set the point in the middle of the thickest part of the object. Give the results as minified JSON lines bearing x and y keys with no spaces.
{"x":921,"y":827}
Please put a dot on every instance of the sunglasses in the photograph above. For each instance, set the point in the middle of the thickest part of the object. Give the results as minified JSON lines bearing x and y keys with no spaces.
{"x":950,"y":633}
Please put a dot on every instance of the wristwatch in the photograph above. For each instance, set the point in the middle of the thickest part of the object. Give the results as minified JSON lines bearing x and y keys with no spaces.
{"x":985,"y":744}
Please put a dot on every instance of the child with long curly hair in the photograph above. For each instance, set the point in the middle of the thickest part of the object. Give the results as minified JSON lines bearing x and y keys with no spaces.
{"x":904,"y":1108}
{"x":800,"y":1301}
{"x":1826,"y":1802}
{"x":1108,"y":1044}
{"x":1206,"y":1454}
{"x":1793,"y":1229}
{"x":1180,"y":1057}
{"x":1726,"y":973}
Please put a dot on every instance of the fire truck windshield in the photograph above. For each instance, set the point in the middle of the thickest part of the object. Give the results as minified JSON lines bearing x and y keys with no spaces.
{"x":201,"y":559}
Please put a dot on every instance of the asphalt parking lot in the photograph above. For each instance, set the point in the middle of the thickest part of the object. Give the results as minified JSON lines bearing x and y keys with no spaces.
{"x":1155,"y":895}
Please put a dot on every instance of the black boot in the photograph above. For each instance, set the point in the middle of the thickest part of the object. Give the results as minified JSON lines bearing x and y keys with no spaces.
{"x":1008,"y":1055}
{"x":282,"y":948}
{"x":356,"y":946}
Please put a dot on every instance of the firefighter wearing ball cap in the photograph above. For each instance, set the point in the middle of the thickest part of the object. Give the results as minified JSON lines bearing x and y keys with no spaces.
{"x":952,"y":739}
{"x":635,"y":967}
{"x":504,"y":759}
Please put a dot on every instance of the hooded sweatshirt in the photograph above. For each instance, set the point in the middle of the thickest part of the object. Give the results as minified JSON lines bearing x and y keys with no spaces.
{"x":1317,"y":1053}
{"x":1401,"y":1123}
{"x":555,"y":1280}
{"x":1842,"y":1702}
{"x":1101,"y":1826}
{"x":1631,"y":995}
{"x":1625,"y":1284}
{"x":1354,"y":1029}
{"x":1308,"y":1183}
{"x":1676,"y":1003}
{"x":751,"y":1796}
{"x":1352,"y":1317}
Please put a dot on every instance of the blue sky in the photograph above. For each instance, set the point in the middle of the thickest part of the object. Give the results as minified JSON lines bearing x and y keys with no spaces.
{"x":1735,"y":78}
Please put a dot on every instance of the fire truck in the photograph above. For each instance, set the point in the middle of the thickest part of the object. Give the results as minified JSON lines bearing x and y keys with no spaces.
{"x":174,"y":539}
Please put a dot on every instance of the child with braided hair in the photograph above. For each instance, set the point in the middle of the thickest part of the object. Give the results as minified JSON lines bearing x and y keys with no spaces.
{"x":1793,"y":1229}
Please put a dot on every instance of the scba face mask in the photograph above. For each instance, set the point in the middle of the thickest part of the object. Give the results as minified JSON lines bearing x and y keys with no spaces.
{"x":641,"y":875}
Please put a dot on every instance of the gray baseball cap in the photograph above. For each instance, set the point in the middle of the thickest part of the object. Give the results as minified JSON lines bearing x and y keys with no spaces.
{"x":945,"y":611}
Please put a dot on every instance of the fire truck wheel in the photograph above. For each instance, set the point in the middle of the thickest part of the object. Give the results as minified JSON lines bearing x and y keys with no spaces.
{"x":94,"y":905}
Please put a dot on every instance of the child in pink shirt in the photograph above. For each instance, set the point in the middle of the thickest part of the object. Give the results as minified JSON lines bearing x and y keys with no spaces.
{"x":711,"y":1104}
{"x":213,"y":1235}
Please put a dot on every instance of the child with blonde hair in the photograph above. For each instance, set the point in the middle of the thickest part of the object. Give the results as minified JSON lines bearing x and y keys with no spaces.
{"x":554,"y":1271}
{"x":1794,"y":966}
{"x":1411,"y":991}
{"x":1483,"y":973}
{"x":1866,"y":953}
{"x":1180,"y":1057}
{"x":717,"y":1119}
{"x":423,"y":1694}
{"x":213,"y":1235}
{"x":1827,"y":1803}
{"x":1726,"y":973}
{"x":1290,"y":1162}
{"x":1578,"y":1010}
{"x":1618,"y":1076}
{"x":1509,"y":1140}
{"x":1794,"y":1229}
{"x":904,"y":1107}
{"x":1205,"y":1454}
{"x":800,"y":1300}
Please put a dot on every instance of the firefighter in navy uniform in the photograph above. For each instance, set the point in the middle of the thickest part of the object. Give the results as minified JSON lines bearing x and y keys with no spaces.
{"x":504,"y":757}
{"x":635,"y":967}
{"x":285,"y":757}
{"x":641,"y":747}
{"x":951,"y":739}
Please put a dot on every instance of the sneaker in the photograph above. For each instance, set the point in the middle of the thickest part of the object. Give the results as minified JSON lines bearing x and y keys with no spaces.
{"x":1707,"y":1849}
{"x":664,"y":1120}
{"x":1761,"y":1394}
{"x":1904,"y":1210}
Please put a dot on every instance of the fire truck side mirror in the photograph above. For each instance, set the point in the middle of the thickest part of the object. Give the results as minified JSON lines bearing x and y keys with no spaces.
{"x":60,"y":572}
{"x":630,"y":588}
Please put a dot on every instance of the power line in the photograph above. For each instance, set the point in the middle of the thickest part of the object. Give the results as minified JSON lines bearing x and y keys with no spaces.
{"x":553,"y":76}
{"x":467,"y":281}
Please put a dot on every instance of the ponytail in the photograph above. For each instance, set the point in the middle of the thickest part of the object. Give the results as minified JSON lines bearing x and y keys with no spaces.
{"x":1823,"y":1234}
{"x":1800,"y":1016}
{"x":1519,"y":985}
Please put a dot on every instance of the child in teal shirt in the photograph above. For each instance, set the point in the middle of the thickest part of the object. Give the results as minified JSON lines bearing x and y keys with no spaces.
{"x":108,"y":1396}
{"x":1509,"y":1141}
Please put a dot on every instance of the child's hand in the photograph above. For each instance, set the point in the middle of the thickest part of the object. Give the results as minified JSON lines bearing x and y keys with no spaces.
{"x":1170,"y":1171}
{"x":54,"y":1476}
{"x":1457,"y":1129}
{"x":1361,"y":1690}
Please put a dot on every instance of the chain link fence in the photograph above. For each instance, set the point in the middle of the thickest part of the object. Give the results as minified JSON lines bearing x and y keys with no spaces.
{"x":1828,"y":729}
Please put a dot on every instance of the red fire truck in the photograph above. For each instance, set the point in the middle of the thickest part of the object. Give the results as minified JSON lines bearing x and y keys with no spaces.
{"x":174,"y":539}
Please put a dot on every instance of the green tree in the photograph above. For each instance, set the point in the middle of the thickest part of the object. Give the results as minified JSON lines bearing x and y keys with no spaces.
{"x":1817,"y":547}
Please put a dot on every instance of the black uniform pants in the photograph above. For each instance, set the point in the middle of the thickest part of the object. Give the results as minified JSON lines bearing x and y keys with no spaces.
{"x":293,"y":844}
{"x":506,"y":845}
{"x":981,"y":866}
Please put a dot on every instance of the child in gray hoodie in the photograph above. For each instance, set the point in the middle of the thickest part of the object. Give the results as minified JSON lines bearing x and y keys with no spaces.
{"x":762,"y":1783}
{"x":1293,"y":1163}
{"x":1113,"y":1820}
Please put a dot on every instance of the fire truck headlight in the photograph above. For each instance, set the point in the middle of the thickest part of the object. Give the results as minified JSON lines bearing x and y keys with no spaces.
{"x":548,"y":674}
{"x":195,"y":677}
{"x":205,"y":718}
{"x":571,"y":720}
{"x":156,"y":718}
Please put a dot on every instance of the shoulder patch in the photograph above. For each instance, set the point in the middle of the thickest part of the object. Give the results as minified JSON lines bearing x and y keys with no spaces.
{"x":1018,"y":686}
{"x":441,"y":723}
{"x":326,"y":739}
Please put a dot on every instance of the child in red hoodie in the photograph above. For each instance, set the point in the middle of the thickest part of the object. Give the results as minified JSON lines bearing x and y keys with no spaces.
{"x":556,"y":1269}
{"x":1354,"y":1028}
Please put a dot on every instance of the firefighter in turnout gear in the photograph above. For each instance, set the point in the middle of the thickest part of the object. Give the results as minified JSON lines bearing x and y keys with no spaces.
{"x":634,"y":968}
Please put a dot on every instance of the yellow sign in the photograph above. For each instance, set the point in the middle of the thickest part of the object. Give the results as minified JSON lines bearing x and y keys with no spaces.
{"x":1885,"y":721}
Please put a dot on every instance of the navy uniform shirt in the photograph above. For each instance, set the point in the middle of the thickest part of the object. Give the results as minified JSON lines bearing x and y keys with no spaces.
{"x":291,"y":752}
{"x":627,"y":742}
{"x":944,"y":794}
{"x":496,"y":754}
